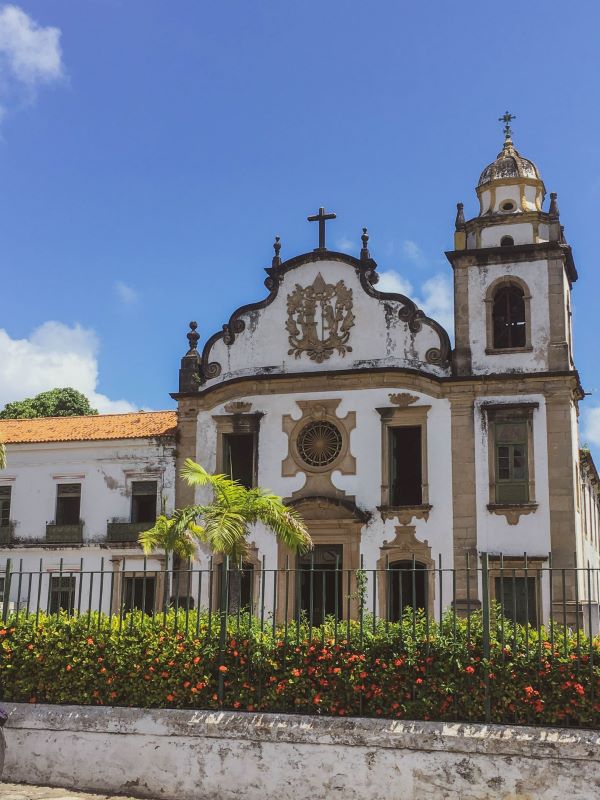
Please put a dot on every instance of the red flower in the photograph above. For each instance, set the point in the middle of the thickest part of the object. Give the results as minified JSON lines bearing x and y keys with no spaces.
{"x":470,"y":669}
{"x":223,"y":668}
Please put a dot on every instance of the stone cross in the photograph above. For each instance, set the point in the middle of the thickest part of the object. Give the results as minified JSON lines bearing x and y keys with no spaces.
{"x":321,"y":218}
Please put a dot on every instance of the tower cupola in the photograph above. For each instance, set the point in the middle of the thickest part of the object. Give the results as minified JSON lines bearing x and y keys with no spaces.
{"x":511,"y":184}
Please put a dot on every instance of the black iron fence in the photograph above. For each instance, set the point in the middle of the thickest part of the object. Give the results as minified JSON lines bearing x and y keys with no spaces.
{"x":485,"y":612}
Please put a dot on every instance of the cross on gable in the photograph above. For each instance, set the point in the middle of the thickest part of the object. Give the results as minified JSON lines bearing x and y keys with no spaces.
{"x":321,"y":218}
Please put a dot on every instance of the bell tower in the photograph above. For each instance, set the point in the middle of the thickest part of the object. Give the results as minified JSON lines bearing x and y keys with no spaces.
{"x":513,"y":272}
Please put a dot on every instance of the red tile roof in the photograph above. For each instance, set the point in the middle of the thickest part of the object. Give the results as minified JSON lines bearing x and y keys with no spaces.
{"x":140,"y":425}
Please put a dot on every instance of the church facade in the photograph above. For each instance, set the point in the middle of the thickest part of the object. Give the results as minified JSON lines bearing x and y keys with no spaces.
{"x":398,"y":448}
{"x":352,"y":405}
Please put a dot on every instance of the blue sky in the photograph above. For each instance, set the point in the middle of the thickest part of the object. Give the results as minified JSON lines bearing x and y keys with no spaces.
{"x":150,"y":151}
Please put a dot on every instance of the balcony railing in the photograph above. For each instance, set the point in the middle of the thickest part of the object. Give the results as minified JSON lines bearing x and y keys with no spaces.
{"x":64,"y":534}
{"x":117,"y":531}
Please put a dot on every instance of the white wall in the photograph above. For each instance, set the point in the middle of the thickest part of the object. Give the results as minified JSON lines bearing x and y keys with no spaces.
{"x":535,"y":275}
{"x":378,"y":336}
{"x":184,"y":755}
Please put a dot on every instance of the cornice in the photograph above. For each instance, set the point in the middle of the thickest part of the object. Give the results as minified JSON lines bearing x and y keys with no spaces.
{"x":484,"y":256}
{"x":367,"y":274}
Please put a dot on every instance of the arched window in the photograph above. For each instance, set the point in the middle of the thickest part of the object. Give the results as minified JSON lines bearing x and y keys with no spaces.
{"x":407,"y":588}
{"x":507,"y":241}
{"x":508,"y":317}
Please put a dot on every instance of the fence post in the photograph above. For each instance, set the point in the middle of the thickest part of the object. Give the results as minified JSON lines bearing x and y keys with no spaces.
{"x":6,"y":596}
{"x":224,"y":602}
{"x":485,"y":620}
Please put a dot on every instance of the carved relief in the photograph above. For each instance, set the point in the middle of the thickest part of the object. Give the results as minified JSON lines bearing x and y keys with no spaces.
{"x":403,"y":399}
{"x":319,"y":319}
{"x":238,"y":407}
{"x":318,"y":443}
{"x":513,"y":513}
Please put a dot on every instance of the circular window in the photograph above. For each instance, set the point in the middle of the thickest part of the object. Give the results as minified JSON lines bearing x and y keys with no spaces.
{"x":508,"y":206}
{"x":319,"y":443}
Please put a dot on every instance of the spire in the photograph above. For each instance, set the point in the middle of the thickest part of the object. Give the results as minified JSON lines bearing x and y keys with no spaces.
{"x":193,"y":337}
{"x":460,"y":216}
{"x":553,"y":211}
{"x":189,"y":375}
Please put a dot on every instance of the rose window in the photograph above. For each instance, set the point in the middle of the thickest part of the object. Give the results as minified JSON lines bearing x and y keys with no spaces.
{"x":319,"y":444}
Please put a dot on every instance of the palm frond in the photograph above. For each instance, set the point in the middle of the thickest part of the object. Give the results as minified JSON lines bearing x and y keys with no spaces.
{"x":2,"y":456}
{"x":285,"y":523}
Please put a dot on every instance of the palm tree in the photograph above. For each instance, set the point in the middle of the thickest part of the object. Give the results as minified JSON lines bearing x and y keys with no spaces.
{"x":2,"y":456}
{"x":224,"y":524}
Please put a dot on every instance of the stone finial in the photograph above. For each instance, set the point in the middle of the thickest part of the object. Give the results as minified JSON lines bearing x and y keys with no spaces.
{"x":277,"y":248}
{"x":553,"y":210}
{"x":460,"y":216}
{"x":193,"y":338}
{"x":364,"y":251}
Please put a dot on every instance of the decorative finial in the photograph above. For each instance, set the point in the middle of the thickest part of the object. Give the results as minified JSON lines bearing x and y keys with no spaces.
{"x":277,"y":247}
{"x":193,"y":338}
{"x":460,"y":216}
{"x":364,"y":252}
{"x":506,"y":118}
{"x":553,"y":211}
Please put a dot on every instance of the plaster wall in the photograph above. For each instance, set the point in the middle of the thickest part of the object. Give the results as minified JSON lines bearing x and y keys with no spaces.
{"x":183,"y":755}
{"x":105,"y":471}
{"x":521,"y":232}
{"x":378,"y":337}
{"x":365,"y":445}
{"x":535,"y":276}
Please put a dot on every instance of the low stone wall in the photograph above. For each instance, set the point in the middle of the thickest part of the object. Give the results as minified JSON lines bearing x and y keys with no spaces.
{"x":201,"y":755}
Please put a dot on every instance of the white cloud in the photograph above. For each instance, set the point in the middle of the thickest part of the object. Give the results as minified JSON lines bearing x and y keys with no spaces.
{"x":412,"y":251}
{"x":126,"y":294}
{"x":54,"y":355}
{"x":344,"y":244}
{"x":591,"y":427}
{"x":30,"y":56}
{"x":435,"y":297}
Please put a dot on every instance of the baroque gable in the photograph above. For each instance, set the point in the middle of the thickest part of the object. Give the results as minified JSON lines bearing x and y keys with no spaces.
{"x":323,"y":312}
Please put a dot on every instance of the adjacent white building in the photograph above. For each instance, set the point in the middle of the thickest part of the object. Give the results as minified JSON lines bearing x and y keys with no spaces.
{"x":74,"y":497}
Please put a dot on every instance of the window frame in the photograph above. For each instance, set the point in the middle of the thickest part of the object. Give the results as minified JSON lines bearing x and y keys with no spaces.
{"x":57,"y":592}
{"x":505,"y":413}
{"x":407,"y":417}
{"x":135,"y":481}
{"x":492,"y":290}
{"x":5,"y":490}
{"x":232,"y":424}
{"x":60,"y":486}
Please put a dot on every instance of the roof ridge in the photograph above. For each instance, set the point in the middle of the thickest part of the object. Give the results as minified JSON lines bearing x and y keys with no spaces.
{"x":89,"y":416}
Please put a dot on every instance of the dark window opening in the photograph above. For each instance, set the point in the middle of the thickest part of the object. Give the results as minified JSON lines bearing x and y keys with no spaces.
{"x":319,"y":582}
{"x":508,"y":205}
{"x":62,"y":593}
{"x":405,"y":466}
{"x":68,"y":504}
{"x":5,"y":493}
{"x":406,"y":588}
{"x":143,"y":501}
{"x":509,"y":317}
{"x":239,"y":457}
{"x":512,"y":469}
{"x":2,"y":582}
{"x":139,"y":593}
{"x":507,"y":241}
{"x":517,"y":597}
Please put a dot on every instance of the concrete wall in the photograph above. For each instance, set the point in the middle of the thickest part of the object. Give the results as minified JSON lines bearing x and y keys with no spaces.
{"x":186,"y":755}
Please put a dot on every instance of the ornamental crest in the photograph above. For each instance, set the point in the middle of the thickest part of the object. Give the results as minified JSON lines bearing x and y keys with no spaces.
{"x":319,"y":319}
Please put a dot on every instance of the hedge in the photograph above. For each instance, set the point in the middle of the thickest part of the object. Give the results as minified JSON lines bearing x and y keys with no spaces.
{"x":415,"y":669}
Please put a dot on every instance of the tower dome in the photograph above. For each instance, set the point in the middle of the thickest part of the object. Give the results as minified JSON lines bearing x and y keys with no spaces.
{"x":509,"y":164}
{"x":510,"y":185}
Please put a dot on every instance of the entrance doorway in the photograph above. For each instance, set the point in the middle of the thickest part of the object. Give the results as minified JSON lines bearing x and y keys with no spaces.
{"x":320,"y":580}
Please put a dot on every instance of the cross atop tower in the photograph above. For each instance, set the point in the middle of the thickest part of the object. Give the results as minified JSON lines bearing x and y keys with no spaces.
{"x":506,"y":118}
{"x":321,"y":218}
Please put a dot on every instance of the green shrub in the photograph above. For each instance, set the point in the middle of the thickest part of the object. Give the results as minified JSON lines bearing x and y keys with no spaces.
{"x":415,"y":669}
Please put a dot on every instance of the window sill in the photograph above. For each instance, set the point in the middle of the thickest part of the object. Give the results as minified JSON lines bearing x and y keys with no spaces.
{"x":405,"y":514}
{"x":494,"y":351}
{"x":512,"y":511}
